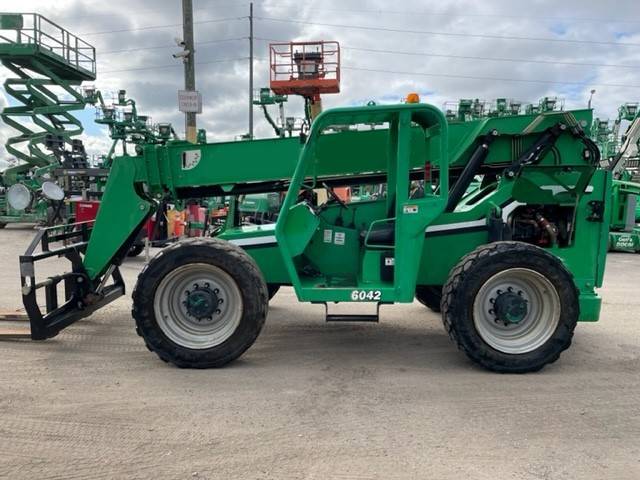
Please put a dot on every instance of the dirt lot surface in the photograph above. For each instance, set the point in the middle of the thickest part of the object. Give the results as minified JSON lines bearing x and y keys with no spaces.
{"x":320,"y":401}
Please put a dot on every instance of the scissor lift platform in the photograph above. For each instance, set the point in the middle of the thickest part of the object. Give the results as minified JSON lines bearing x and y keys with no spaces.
{"x":29,"y":39}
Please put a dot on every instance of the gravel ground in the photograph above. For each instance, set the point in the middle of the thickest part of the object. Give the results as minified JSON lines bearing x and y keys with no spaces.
{"x":309,"y":400}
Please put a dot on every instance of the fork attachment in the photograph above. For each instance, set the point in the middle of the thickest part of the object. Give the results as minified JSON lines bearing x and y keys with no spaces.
{"x":82,"y":296}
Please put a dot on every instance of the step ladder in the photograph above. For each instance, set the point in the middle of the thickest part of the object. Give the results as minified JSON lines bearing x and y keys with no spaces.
{"x":350,"y":317}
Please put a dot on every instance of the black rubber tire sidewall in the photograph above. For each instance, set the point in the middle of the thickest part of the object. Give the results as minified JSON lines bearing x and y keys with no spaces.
{"x":473,"y":271}
{"x":223,"y":255}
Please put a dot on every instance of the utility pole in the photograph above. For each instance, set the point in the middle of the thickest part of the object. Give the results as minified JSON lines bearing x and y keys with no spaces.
{"x":251,"y":71}
{"x":189,"y":65}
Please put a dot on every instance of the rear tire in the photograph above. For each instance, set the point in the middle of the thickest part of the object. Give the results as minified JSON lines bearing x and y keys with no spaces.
{"x":2,"y":225}
{"x":200,"y":303}
{"x":430,"y":296}
{"x":511,"y":307}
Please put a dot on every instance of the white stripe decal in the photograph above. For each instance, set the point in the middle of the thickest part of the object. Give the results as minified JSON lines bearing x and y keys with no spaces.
{"x":269,"y":226}
{"x":506,"y":211}
{"x":457,"y":226}
{"x":245,"y":242}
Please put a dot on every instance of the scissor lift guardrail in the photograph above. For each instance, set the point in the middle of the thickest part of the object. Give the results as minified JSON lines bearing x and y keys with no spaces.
{"x":48,"y":63}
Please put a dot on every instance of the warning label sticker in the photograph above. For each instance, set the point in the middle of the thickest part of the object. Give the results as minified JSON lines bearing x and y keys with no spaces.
{"x":410,"y":209}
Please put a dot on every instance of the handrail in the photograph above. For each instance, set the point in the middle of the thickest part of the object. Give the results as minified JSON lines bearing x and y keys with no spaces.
{"x":34,"y":29}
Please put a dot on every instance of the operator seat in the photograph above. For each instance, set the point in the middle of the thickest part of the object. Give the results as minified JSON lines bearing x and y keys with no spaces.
{"x":382,"y":235}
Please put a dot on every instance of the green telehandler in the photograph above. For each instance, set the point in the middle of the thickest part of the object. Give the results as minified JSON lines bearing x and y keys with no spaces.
{"x":517,"y":263}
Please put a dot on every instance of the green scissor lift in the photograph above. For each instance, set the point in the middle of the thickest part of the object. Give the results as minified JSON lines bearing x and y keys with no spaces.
{"x":49,"y":63}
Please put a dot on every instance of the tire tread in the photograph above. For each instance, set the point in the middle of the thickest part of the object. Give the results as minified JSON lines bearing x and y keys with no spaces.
{"x":142,"y":310}
{"x":455,"y":286}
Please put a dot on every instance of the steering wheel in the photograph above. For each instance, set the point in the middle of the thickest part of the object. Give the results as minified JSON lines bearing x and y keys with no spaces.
{"x":334,"y":196}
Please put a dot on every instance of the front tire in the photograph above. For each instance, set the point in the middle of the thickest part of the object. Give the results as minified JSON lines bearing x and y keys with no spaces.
{"x":200,"y":303}
{"x":511,"y":307}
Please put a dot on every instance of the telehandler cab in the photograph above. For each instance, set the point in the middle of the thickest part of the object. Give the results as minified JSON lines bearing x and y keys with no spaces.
{"x":516,"y":263}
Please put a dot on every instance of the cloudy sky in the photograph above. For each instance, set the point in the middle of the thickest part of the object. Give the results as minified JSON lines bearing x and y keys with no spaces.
{"x":444,"y":50}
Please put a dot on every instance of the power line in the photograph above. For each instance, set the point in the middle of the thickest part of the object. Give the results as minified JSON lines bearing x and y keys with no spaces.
{"x":380,"y":12}
{"x":499,"y":79}
{"x":157,"y":47}
{"x":493,"y":59}
{"x":472,"y":15}
{"x":474,"y":57}
{"x":156,"y":27}
{"x":114,"y":14}
{"x":142,"y":12}
{"x":449,"y":34}
{"x":173,"y":65}
{"x":473,"y":77}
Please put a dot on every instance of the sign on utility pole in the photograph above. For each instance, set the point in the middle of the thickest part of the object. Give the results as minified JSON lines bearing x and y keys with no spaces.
{"x":189,"y":74}
{"x":189,"y":102}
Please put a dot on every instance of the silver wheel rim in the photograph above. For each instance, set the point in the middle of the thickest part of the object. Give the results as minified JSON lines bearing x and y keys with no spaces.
{"x":178,"y":322}
{"x":538,"y":324}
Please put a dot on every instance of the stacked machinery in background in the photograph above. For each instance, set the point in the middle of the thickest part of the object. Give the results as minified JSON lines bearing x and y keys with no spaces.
{"x":466,"y":109}
{"x":125,"y":125}
{"x":50,"y":178}
{"x":49,"y":64}
{"x":619,"y":143}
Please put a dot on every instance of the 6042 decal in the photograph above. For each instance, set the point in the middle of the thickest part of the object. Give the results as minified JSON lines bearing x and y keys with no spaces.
{"x":366,"y":295}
